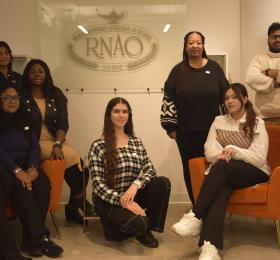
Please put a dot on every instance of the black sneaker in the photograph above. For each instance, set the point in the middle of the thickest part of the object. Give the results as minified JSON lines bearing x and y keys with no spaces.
{"x":49,"y":248}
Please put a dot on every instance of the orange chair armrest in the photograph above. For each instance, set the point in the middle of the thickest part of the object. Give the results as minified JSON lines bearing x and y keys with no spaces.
{"x":55,"y":171}
{"x":274,"y":192}
{"x":197,"y":167}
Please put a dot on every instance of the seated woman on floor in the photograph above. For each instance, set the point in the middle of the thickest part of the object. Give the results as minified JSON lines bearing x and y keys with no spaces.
{"x":236,"y":148}
{"x":128,"y":203}
{"x":47,"y":107}
{"x":20,"y":161}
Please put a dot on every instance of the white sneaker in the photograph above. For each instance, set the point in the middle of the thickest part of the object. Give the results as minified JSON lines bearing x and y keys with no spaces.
{"x":188,"y":225}
{"x":209,"y":252}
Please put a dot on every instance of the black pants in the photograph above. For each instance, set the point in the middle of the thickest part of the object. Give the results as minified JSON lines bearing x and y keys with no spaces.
{"x":32,"y":207}
{"x":215,"y":193}
{"x":191,"y":145}
{"x":119,"y":223}
{"x":7,"y":244}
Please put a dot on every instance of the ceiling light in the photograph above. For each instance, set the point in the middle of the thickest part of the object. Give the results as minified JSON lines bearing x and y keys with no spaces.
{"x":166,"y":27}
{"x":83,"y":29}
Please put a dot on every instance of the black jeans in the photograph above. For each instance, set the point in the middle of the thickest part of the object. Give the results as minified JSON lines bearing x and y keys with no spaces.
{"x":32,"y":207}
{"x":119,"y":223}
{"x":191,"y":145}
{"x":7,"y":244}
{"x":215,"y":193}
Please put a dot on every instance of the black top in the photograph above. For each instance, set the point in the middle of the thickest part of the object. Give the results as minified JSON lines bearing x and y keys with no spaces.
{"x":13,"y":77}
{"x":192,"y":97}
{"x":18,"y":148}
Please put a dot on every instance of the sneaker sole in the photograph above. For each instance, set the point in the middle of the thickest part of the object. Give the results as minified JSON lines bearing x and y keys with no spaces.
{"x":184,"y":235}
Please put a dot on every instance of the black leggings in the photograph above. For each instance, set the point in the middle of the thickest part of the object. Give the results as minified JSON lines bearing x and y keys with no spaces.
{"x":191,"y":145}
{"x":215,"y":193}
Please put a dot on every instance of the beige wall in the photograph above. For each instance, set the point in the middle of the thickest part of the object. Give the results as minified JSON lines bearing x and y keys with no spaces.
{"x":19,"y":25}
{"x":256,"y":16}
{"x":219,"y":20}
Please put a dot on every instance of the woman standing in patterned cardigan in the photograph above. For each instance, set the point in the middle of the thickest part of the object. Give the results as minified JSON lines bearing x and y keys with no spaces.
{"x":236,"y":148}
{"x":128,"y":203}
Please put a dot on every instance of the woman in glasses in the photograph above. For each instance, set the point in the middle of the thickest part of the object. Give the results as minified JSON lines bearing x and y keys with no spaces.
{"x":20,"y":164}
{"x":6,"y":60}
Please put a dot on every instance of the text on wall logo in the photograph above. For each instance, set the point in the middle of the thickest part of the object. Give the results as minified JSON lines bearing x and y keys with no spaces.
{"x":113,"y":47}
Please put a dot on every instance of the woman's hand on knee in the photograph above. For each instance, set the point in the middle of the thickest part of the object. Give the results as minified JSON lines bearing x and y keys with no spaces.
{"x":136,"y":209}
{"x":33,"y":173}
{"x":129,"y":195}
{"x":24,"y":179}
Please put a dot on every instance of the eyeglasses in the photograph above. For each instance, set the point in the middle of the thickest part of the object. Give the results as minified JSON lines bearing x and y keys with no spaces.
{"x":274,"y":36}
{"x":10,"y":99}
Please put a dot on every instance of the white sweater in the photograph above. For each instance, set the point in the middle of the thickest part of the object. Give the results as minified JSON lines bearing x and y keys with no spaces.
{"x":267,"y":96}
{"x":255,"y":154}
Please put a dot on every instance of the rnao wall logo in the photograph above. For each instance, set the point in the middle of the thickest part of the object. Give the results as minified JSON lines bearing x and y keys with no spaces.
{"x":114,"y":47}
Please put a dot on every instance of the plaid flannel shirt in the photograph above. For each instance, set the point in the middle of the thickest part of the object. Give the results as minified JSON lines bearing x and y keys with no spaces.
{"x":132,"y":161}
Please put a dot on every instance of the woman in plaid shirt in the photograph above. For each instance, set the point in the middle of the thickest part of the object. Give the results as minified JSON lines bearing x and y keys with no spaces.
{"x":129,"y":198}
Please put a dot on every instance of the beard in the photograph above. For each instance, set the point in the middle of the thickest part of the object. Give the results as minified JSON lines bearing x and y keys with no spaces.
{"x":274,"y":49}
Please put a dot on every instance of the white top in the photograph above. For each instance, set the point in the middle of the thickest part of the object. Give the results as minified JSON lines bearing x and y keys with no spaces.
{"x":256,"y":151}
{"x":267,"y":90}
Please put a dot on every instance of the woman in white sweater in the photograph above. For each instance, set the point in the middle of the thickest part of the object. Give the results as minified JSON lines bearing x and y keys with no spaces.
{"x":236,"y":148}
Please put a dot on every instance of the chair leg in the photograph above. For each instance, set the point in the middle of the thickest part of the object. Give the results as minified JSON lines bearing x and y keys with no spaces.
{"x":277,"y":223}
{"x":84,"y":199}
{"x":55,"y":224}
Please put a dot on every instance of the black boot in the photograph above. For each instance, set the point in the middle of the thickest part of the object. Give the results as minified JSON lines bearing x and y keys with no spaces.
{"x":74,"y":178}
{"x":148,"y":240}
{"x":72,"y":214}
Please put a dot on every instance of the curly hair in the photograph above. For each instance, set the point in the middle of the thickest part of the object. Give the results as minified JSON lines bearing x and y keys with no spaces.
{"x":110,"y":138}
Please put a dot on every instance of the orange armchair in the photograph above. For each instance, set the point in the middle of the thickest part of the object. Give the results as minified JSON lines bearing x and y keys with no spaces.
{"x":261,"y":200}
{"x":55,"y":171}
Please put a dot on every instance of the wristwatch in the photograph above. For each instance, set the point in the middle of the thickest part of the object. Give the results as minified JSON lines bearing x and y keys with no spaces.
{"x":138,"y":183}
{"x":57,"y":143}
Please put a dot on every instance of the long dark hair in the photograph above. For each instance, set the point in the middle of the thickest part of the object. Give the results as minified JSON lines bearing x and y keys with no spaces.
{"x":185,"y":53}
{"x":7,"y":47}
{"x":110,"y":138}
{"x":49,"y":89}
{"x":19,"y":120}
{"x":240,"y":91}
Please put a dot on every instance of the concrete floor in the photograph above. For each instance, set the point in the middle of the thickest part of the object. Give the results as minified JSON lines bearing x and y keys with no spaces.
{"x":245,"y":238}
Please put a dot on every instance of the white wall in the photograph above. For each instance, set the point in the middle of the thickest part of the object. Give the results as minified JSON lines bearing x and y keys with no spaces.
{"x":218,"y":20}
{"x":209,"y":18}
